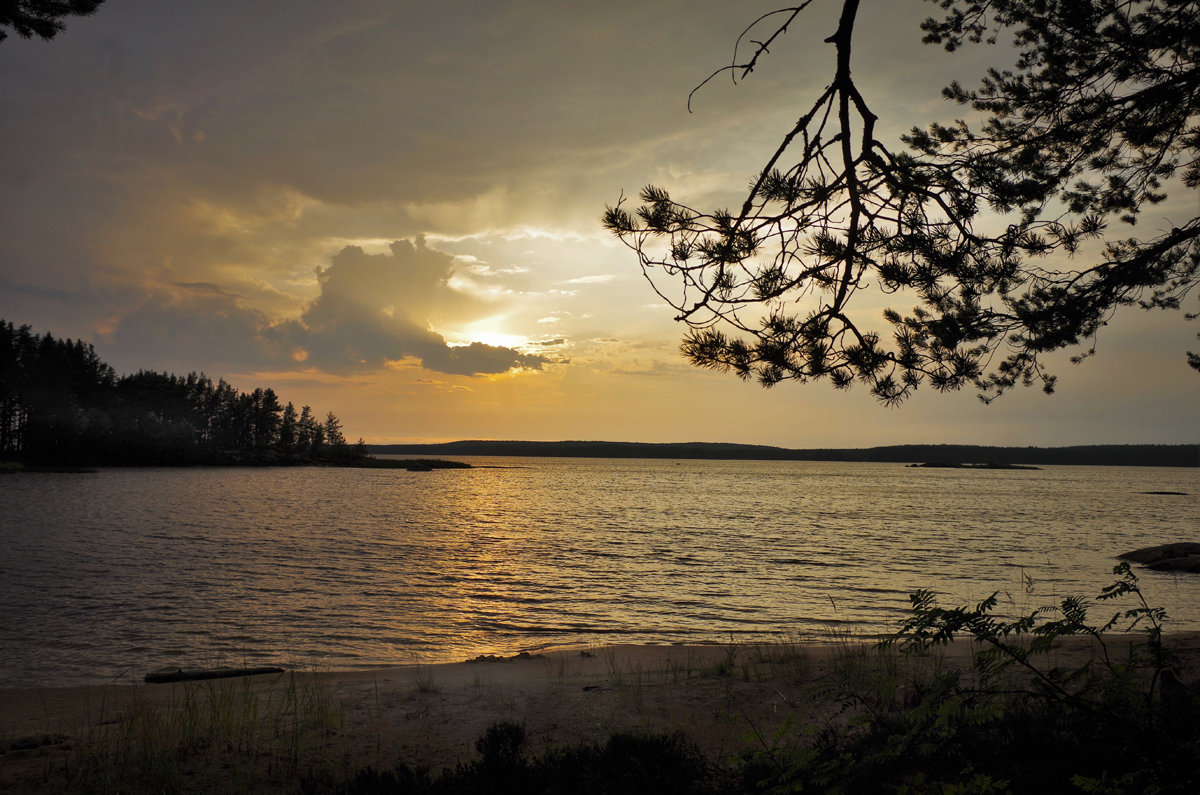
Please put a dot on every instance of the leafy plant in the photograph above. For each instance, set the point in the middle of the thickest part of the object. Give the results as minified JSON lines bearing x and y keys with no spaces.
{"x":1017,"y":643}
{"x":1011,"y":722}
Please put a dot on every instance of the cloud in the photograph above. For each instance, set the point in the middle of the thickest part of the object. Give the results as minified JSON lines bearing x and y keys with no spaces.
{"x":375,"y":308}
{"x":176,"y":330}
{"x":371,"y":309}
{"x":205,"y":287}
{"x":478,"y":359}
{"x":653,"y":368}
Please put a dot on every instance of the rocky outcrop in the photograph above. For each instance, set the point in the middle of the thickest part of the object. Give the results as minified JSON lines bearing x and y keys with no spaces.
{"x":1181,"y":556}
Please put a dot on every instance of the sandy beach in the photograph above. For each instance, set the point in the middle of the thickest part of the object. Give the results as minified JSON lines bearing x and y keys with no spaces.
{"x":274,"y":730}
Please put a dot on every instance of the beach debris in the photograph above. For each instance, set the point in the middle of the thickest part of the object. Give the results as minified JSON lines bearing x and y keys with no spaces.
{"x":164,"y":675}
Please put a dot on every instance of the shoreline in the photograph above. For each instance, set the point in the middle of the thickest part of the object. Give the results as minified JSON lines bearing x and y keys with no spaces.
{"x":134,"y":675}
{"x":720,"y":697}
{"x":518,"y":669}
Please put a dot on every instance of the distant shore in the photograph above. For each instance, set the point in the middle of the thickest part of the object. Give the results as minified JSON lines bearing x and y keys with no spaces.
{"x":365,"y":462}
{"x":934,"y":456}
{"x":1158,"y":455}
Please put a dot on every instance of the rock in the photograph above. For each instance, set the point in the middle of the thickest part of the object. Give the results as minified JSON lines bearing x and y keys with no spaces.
{"x":486,"y":658}
{"x":1180,"y":556}
{"x":1182,"y":563}
{"x":495,"y":658}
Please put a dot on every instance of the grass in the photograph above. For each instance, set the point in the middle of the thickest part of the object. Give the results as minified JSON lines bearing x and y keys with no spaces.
{"x":864,"y":719}
{"x":232,"y":734}
{"x":424,"y":680}
{"x":680,"y":670}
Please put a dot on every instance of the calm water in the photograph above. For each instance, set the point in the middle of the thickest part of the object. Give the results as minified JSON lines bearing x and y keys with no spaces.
{"x":109,"y":575}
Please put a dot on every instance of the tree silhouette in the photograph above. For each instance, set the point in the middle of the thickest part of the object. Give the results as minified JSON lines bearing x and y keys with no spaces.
{"x":310,"y":434}
{"x":333,"y":430}
{"x":60,"y":404}
{"x":42,"y":18}
{"x":287,"y":428}
{"x":1013,"y":234}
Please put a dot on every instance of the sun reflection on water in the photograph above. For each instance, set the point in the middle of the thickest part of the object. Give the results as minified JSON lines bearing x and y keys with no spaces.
{"x":129,"y":570}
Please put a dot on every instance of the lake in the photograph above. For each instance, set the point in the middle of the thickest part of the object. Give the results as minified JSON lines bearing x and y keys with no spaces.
{"x":106,"y":576}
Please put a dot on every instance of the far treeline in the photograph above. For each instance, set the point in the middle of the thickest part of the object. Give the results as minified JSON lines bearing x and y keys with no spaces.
{"x":61,"y":405}
{"x":1162,"y":455}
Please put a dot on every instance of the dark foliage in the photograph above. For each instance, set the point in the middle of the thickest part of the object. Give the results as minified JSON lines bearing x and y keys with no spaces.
{"x":628,"y":764}
{"x":1018,"y":723}
{"x":1014,"y":234}
{"x":60,"y":404}
{"x":41,"y":18}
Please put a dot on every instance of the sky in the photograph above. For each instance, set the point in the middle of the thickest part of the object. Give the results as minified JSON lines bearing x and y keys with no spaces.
{"x":391,"y":210}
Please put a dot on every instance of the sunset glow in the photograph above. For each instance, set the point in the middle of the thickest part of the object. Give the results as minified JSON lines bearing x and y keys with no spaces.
{"x":386,"y":211}
{"x":588,"y":397}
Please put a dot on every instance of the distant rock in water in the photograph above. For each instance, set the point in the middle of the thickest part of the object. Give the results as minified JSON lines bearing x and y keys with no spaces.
{"x":951,"y":465}
{"x":1181,"y":556}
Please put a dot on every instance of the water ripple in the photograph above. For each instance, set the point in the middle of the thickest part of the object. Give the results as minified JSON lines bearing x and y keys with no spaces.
{"x":116,"y":573}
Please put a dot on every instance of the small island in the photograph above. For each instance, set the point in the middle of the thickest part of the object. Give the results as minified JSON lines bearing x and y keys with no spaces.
{"x":956,"y":465}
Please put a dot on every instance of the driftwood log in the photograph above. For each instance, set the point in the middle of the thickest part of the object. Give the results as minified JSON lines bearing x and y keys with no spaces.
{"x":180,"y":675}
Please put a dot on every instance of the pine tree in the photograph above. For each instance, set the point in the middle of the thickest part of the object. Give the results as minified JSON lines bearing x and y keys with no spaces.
{"x":1013,"y":232}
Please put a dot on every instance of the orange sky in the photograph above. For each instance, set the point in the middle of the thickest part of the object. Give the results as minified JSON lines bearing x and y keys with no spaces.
{"x":391,"y":210}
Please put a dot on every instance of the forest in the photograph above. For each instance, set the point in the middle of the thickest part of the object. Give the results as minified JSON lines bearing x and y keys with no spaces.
{"x":61,"y":405}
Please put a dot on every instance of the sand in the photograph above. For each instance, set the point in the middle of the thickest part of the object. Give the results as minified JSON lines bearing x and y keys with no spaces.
{"x":727,"y":699}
